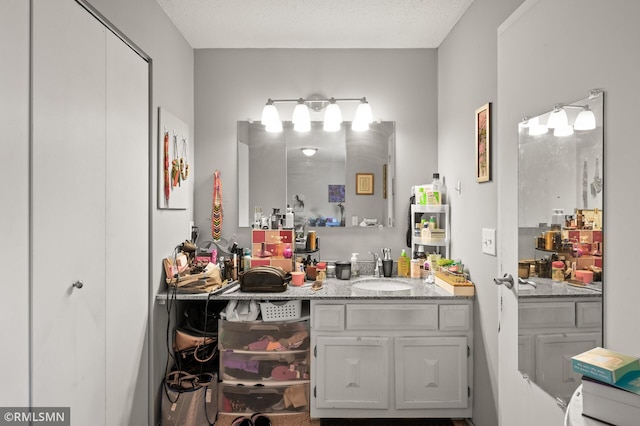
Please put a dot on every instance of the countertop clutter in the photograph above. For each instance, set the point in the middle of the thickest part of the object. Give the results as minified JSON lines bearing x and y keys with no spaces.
{"x":362,"y":288}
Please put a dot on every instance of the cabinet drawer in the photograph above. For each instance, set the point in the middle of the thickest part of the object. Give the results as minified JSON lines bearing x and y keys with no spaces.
{"x":547,"y":315}
{"x":392,"y":317}
{"x":328,"y":317}
{"x":263,"y":399}
{"x":265,"y":366}
{"x":454,"y":317}
{"x":589,"y":314}
{"x":260,"y":336}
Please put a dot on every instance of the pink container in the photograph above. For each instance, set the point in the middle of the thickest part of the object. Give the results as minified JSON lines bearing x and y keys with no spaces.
{"x":297,"y":278}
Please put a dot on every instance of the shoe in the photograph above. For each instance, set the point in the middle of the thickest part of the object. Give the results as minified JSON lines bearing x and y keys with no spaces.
{"x":260,"y":419}
{"x":242,"y":421}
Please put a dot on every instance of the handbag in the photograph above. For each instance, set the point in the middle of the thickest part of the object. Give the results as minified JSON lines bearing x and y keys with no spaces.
{"x":205,"y":282}
{"x":242,"y":310}
{"x":201,"y":359}
{"x":200,"y":318}
{"x":186,"y":339}
{"x":189,"y":399}
{"x":264,"y":279}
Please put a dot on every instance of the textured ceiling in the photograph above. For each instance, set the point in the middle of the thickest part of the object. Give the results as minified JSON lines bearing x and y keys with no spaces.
{"x":314,"y":23}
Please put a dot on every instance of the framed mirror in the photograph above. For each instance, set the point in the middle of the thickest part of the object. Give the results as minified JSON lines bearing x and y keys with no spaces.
{"x":560,"y":241}
{"x":330,"y":179}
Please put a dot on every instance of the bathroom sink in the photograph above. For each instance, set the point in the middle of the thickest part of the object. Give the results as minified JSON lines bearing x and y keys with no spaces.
{"x":381,"y":286}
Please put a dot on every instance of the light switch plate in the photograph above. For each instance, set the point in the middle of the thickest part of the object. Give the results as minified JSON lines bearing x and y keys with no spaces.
{"x":489,"y":241}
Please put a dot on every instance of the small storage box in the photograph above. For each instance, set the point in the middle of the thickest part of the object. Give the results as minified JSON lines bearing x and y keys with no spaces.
{"x":261,"y":336}
{"x":264,"y":366}
{"x":263,"y":399}
{"x":281,"y":310}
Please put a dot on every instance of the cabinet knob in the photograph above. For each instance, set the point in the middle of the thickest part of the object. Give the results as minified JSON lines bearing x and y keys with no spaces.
{"x":78,"y":284}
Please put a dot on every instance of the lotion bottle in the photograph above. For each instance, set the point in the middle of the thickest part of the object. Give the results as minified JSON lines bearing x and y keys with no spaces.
{"x":354,"y":265}
{"x":289,"y":218}
{"x":403,"y":264}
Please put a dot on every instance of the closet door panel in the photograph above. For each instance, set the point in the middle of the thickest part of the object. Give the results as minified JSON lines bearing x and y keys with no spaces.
{"x":14,"y":192}
{"x":68,"y":210}
{"x":127,"y":234}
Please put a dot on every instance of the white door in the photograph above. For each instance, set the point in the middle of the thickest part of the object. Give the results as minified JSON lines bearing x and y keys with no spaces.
{"x":127,"y":234}
{"x":68,"y":211}
{"x":90,"y":218}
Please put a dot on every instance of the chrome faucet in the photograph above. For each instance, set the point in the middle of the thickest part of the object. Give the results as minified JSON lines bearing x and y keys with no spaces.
{"x":376,"y":264}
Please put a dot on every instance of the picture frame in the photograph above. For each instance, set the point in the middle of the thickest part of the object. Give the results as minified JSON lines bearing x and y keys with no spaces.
{"x":364,"y":183}
{"x":336,"y":193}
{"x":483,"y":143}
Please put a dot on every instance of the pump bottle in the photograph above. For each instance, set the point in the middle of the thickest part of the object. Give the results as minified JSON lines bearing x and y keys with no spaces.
{"x":354,"y":265}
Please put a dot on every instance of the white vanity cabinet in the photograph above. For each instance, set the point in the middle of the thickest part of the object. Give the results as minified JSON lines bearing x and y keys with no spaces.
{"x":407,"y":358}
{"x":552,"y":330}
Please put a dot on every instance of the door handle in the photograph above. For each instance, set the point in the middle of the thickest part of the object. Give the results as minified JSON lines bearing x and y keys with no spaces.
{"x":507,"y":280}
{"x":78,"y":284}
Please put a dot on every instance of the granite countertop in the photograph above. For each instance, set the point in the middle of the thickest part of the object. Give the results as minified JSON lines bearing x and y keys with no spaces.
{"x":548,"y":288}
{"x":335,"y":289}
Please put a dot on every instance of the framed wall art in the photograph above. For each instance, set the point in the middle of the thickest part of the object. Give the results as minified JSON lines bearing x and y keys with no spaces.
{"x":364,"y":183}
{"x":483,"y":143}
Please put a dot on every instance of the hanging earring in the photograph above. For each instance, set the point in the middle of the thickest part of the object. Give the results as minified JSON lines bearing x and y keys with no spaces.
{"x":175,"y":164}
{"x":184,"y":166}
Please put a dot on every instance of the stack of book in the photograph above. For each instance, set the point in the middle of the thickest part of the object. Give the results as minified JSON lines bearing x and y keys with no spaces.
{"x":456,"y":284}
{"x":610,"y":386}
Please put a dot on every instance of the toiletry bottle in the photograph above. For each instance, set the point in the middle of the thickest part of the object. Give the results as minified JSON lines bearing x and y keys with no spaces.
{"x":247,"y":260}
{"x":403,"y":264}
{"x":289,"y":218}
{"x":354,"y":265}
{"x":437,"y":190}
{"x":432,"y":223}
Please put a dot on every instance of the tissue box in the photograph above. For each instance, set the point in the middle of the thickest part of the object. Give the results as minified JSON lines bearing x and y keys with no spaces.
{"x":604,"y":365}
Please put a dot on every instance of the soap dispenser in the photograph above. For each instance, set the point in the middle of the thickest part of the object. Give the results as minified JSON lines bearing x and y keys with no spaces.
{"x":387,"y":262}
{"x":403,"y":264}
{"x":354,"y":265}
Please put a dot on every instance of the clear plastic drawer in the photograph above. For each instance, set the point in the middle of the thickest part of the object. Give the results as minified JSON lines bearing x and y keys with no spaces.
{"x":263,"y":398}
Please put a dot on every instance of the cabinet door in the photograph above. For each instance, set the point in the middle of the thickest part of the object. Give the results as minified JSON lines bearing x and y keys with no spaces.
{"x":554,"y":373}
{"x":431,"y":372}
{"x":68,"y":210}
{"x":352,"y":372}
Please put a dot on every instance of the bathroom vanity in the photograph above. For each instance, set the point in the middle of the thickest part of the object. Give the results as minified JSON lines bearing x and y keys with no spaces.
{"x":556,"y":321}
{"x":384,"y":348}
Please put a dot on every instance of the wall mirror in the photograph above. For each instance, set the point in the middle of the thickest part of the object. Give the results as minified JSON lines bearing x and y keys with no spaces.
{"x":346,"y":182}
{"x":560,"y":241}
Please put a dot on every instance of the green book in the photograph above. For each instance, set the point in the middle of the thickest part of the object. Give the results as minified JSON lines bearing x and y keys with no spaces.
{"x":604,"y":365}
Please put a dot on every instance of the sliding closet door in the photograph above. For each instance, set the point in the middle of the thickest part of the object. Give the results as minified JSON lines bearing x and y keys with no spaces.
{"x":127,"y":238}
{"x":68,"y":210}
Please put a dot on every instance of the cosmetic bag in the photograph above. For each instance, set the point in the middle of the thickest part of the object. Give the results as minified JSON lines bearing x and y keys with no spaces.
{"x":264,"y":279}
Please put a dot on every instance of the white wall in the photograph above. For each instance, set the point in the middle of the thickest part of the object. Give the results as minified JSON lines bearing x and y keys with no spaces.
{"x":14,"y":210}
{"x":234,"y":84}
{"x":552,"y":52}
{"x":467,"y":80}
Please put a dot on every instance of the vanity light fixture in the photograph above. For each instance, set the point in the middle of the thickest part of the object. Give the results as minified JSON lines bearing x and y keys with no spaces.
{"x":534,"y":126}
{"x":332,"y":118}
{"x":309,"y":152}
{"x":586,"y":119}
{"x":558,"y":117}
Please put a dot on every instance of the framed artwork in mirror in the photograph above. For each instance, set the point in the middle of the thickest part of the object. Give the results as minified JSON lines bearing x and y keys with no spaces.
{"x":483,"y":140}
{"x":364,"y":183}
